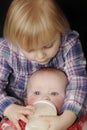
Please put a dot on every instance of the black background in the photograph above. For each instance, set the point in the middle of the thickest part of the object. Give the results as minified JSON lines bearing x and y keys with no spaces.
{"x":75,"y":10}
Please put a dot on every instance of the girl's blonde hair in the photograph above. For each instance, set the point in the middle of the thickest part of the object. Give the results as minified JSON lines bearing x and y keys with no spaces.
{"x":31,"y":23}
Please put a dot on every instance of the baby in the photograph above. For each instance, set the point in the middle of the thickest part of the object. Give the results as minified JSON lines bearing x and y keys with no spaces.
{"x":45,"y":84}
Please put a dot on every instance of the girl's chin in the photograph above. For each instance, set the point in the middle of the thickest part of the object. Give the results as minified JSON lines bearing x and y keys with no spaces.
{"x":44,"y":62}
{"x":41,"y":62}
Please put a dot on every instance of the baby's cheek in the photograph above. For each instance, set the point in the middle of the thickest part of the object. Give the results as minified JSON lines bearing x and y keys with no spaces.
{"x":59,"y":103}
{"x":31,"y":101}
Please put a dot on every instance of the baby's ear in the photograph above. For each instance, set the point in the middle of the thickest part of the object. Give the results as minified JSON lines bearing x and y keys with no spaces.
{"x":25,"y":101}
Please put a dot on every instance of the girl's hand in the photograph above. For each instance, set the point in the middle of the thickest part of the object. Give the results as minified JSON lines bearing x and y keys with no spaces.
{"x":62,"y":122}
{"x":54,"y":122}
{"x":16,"y":112}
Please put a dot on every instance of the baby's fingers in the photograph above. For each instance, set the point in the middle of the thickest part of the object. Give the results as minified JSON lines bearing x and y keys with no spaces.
{"x":23,"y":118}
{"x":30,"y":107}
{"x":27,"y":110}
{"x":17,"y":125}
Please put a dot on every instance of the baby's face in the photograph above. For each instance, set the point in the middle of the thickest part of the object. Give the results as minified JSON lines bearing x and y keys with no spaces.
{"x":47,"y":86}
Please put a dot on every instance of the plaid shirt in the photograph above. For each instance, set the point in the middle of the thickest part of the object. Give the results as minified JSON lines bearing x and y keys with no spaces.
{"x":15,"y":70}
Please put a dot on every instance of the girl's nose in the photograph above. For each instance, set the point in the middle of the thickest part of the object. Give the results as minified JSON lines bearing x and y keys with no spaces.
{"x":40,"y":54}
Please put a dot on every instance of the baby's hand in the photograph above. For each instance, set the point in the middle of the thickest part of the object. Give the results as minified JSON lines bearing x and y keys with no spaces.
{"x":9,"y":128}
{"x":16,"y":112}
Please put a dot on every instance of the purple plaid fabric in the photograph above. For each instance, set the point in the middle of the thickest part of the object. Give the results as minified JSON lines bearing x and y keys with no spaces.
{"x":15,"y":70}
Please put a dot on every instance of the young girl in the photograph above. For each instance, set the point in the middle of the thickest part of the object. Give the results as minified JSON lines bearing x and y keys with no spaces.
{"x":37,"y":35}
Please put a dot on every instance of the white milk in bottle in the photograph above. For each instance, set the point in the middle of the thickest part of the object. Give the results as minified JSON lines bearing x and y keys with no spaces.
{"x":42,"y":107}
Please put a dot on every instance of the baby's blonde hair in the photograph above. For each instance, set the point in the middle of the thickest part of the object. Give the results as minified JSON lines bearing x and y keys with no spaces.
{"x":31,"y":23}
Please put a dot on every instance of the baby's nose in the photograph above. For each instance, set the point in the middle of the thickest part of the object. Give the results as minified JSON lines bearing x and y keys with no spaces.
{"x":46,"y":97}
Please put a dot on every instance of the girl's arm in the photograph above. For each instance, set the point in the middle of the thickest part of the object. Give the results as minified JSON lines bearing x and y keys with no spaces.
{"x":75,"y":68}
{"x":62,"y":122}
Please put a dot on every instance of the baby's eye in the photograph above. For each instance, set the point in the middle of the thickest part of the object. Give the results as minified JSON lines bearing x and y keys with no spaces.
{"x":54,"y":93}
{"x":37,"y":93}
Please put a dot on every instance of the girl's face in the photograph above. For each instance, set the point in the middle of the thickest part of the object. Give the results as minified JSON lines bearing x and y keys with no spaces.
{"x":46,"y":87}
{"x":44,"y":54}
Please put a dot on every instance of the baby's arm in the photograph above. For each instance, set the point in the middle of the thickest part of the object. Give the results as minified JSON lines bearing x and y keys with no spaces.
{"x":9,"y":128}
{"x":6,"y":124}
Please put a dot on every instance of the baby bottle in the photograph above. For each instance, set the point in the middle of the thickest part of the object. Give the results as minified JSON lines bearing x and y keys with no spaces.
{"x":42,"y":107}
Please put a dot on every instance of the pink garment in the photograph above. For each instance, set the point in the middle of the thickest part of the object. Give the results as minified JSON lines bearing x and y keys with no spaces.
{"x":77,"y":126}
{"x":81,"y":125}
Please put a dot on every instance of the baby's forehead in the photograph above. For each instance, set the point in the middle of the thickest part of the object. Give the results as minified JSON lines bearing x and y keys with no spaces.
{"x":54,"y":79}
{"x":48,"y":72}
{"x":43,"y":72}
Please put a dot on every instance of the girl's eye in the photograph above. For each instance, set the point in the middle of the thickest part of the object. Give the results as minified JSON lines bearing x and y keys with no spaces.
{"x":37,"y":93}
{"x":48,"y":46}
{"x":54,"y":93}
